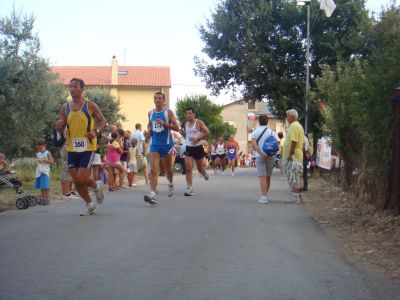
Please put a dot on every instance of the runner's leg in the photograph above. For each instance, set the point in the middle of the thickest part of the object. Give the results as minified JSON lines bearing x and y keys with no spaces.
{"x":169,"y":167}
{"x":82,"y":183}
{"x":189,"y":170}
{"x":154,"y":170}
{"x":200,"y":164}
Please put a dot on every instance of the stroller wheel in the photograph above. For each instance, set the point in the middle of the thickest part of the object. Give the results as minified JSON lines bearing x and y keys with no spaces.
{"x":32,"y":200}
{"x":22,"y":203}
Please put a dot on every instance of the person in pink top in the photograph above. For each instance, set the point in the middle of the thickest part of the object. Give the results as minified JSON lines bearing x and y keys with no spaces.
{"x":113,"y":157}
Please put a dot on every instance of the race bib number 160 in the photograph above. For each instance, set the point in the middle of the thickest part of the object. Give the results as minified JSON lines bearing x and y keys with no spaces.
{"x":79,"y":144}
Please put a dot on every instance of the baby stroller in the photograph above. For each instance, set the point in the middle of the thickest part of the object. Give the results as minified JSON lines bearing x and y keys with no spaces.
{"x":26,"y":200}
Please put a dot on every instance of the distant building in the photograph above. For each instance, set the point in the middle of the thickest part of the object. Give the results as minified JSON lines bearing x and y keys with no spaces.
{"x":133,"y":85}
{"x":244,"y":116}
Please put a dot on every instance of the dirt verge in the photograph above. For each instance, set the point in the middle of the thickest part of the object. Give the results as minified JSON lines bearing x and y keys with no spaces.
{"x":370,"y":239}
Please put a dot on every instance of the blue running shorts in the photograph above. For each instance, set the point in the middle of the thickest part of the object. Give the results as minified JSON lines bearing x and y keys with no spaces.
{"x":80,"y":159}
{"x":163,"y":150}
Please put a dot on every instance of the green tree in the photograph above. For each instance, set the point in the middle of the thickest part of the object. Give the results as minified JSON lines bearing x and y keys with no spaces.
{"x":30,"y":94}
{"x":358,"y":96}
{"x":208,"y":112}
{"x":109,"y":105}
{"x":257,"y":46}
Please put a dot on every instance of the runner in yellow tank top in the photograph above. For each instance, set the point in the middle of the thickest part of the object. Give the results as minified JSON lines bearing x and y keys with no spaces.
{"x":79,"y":123}
{"x":84,"y":120}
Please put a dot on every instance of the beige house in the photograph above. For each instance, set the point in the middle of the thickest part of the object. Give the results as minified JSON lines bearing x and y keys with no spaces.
{"x":133,"y":85}
{"x":244,"y":116}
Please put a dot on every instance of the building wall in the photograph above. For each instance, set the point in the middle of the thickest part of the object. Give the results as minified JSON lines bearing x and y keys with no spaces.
{"x":136,"y":102}
{"x":236,"y":115}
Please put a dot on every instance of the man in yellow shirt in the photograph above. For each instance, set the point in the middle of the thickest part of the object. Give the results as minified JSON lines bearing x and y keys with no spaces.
{"x":293,"y":155}
{"x":84,"y":121}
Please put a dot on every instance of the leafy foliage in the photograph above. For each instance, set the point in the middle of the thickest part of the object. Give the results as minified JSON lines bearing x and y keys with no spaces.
{"x":208,"y":112}
{"x":258,"y":46}
{"x":30,"y":95}
{"x":358,"y":97}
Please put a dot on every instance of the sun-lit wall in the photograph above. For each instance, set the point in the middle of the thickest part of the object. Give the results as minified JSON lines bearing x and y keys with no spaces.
{"x":136,"y":102}
{"x":236,"y":115}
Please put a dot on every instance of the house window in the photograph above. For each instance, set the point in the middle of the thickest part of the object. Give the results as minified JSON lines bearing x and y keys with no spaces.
{"x":122,"y":72}
{"x":251,"y":105}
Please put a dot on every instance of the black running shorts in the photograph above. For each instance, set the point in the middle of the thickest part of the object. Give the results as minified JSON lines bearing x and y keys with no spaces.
{"x":196,"y":152}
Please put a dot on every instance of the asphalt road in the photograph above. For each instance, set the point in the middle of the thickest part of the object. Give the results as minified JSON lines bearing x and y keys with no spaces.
{"x":219,"y":244}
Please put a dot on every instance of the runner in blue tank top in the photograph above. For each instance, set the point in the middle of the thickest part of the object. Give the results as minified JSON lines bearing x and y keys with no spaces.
{"x":161,"y":121}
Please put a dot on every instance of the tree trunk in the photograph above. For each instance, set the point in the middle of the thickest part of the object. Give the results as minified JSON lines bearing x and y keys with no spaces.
{"x":394,"y":200}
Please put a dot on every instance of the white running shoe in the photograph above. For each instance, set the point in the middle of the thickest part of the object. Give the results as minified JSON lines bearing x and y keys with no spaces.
{"x":90,"y":208}
{"x":70,"y":196}
{"x":263,"y":200}
{"x":205,"y":175}
{"x":150,"y":198}
{"x":98,"y":192}
{"x":233,"y":174}
{"x":170,"y":189}
{"x":189,"y":191}
{"x":223,"y":173}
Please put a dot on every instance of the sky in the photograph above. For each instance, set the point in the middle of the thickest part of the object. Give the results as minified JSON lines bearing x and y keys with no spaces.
{"x":139,"y":33}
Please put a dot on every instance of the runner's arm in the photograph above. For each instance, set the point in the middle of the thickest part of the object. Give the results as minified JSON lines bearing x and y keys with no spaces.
{"x":149,"y":131}
{"x":204,"y":130}
{"x":173,"y":122}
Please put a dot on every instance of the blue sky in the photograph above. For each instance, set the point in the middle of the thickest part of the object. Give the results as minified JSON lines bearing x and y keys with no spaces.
{"x":152,"y":32}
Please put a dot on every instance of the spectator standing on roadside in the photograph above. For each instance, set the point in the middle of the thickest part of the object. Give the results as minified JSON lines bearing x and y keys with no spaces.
{"x":142,"y":150}
{"x":293,"y":155}
{"x":264,"y":163}
{"x":42,"y":177}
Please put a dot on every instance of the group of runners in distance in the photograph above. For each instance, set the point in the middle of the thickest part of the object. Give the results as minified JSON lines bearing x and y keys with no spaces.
{"x":221,"y":152}
{"x":84,"y":122}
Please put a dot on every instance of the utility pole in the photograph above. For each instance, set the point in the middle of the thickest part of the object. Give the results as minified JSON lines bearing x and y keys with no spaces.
{"x":308,"y":4}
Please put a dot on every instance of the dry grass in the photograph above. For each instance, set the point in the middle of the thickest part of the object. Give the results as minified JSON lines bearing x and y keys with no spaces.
{"x":25,"y":171}
{"x":370,"y":238}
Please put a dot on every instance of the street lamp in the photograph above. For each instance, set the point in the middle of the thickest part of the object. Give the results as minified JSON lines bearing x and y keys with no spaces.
{"x":302,"y":3}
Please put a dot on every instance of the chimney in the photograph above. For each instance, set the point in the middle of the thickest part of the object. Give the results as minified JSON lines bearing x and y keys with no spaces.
{"x":114,"y":71}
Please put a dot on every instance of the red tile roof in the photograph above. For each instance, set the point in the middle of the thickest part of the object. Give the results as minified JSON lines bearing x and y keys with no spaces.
{"x":101,"y":76}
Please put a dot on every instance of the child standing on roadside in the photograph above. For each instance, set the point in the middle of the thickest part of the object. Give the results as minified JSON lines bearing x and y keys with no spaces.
{"x":133,"y":155}
{"x":43,"y":162}
{"x":113,"y":160}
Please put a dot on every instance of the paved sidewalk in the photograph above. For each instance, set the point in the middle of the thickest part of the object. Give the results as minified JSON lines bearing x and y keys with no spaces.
{"x":219,"y":244}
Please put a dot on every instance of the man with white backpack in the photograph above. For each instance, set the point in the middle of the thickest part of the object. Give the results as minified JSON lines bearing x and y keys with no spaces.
{"x":265,"y":144}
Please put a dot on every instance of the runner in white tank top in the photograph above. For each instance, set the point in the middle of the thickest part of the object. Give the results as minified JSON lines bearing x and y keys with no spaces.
{"x":192,"y":133}
{"x":220,"y":161}
{"x":195,"y":132}
{"x":213,"y":151}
